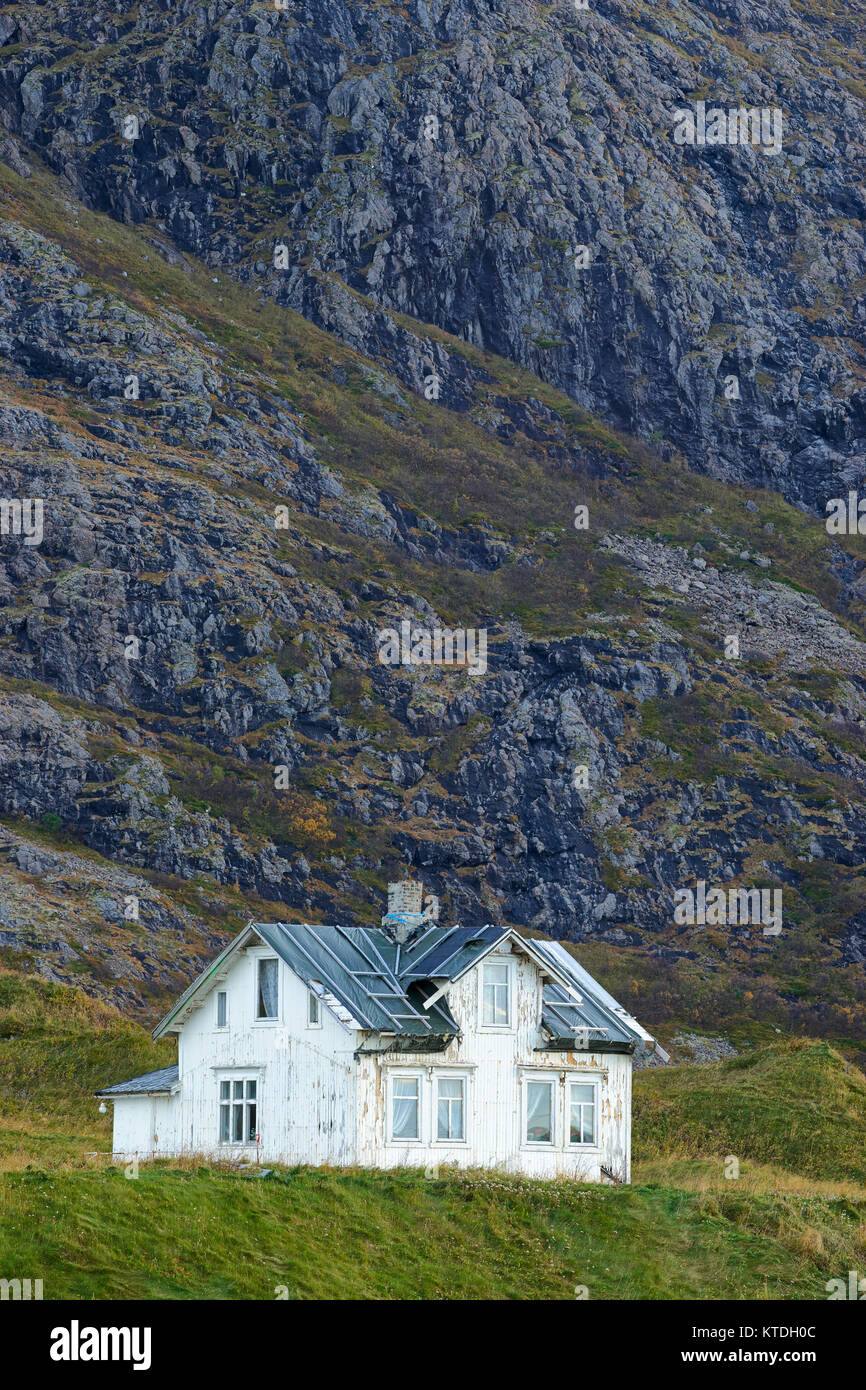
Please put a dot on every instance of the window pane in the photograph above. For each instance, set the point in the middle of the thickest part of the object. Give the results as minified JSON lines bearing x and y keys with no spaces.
{"x":238,"y":1088}
{"x":456,"y":1119}
{"x":449,"y":1110}
{"x":267,"y":995}
{"x":224,"y":1124}
{"x":221,"y":1009}
{"x":538,"y":1112}
{"x":495,"y":995}
{"x":405,"y":1107}
{"x":500,"y":1006}
{"x":251,"y":1090}
{"x":224,"y":1090}
{"x":582,"y":1126}
{"x":251,"y":1123}
{"x":238,"y":1123}
{"x":313,"y":1009}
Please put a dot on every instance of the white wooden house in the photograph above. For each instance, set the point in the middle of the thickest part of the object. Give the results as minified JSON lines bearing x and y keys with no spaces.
{"x":409,"y":1044}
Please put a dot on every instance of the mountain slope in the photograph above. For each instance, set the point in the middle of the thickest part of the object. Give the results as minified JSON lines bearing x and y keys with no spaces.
{"x":448,"y":162}
{"x":143,"y":777}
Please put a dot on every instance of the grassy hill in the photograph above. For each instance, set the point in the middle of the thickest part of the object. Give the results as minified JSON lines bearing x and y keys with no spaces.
{"x":57,"y":1047}
{"x":201,"y":1233}
{"x":797,"y":1106}
{"x":793,"y":1113}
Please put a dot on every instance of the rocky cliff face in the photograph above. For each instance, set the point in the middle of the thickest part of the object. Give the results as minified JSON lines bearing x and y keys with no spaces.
{"x":510,"y":174}
{"x":195,"y":723}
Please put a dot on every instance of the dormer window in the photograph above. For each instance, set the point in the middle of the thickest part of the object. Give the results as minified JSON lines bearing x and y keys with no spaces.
{"x":266,"y":988}
{"x":496,"y":995}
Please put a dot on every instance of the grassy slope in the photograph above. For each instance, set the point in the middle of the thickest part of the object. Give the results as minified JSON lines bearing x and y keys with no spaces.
{"x":798,"y":1106}
{"x":57,"y":1046}
{"x":188,"y":1231}
{"x":174,"y":1233}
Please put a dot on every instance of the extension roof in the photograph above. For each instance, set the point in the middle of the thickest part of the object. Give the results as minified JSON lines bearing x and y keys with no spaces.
{"x":153,"y":1083}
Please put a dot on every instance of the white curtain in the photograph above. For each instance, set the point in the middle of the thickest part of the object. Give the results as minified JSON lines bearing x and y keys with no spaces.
{"x":450,"y":1108}
{"x":538,"y":1112}
{"x":405,"y":1103}
{"x":267,"y":989}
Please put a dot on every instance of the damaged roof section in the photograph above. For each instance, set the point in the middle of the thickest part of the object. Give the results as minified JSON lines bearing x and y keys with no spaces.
{"x":446,"y":953}
{"x":581,"y":1008}
{"x":357,"y":967}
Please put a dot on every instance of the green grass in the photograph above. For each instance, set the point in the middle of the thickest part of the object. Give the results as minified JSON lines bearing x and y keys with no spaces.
{"x":797,"y":1105}
{"x":178,"y":1233}
{"x":57,"y":1047}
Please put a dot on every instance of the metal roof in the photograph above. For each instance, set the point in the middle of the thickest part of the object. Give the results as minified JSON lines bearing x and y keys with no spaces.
{"x":149,"y":1084}
{"x":597,"y":1008}
{"x":563,"y":1019}
{"x":373,"y":984}
{"x":452,"y":952}
{"x":357,"y":967}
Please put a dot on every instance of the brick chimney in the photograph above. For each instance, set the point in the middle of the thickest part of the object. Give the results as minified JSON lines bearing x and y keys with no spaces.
{"x":409,"y":909}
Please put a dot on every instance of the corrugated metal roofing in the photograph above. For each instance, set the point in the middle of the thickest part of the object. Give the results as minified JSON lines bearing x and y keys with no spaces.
{"x":563,"y":1019}
{"x":151,"y":1082}
{"x":597,"y":1005}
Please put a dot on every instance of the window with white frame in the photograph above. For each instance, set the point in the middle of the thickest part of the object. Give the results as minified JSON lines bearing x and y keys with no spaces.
{"x":266,"y":987}
{"x":451,"y":1108}
{"x":405,"y":1107}
{"x":495,"y":995}
{"x":314,"y":1009}
{"x":582,"y":1126}
{"x":222,"y":1009}
{"x":539,"y":1112}
{"x":238,"y":1103}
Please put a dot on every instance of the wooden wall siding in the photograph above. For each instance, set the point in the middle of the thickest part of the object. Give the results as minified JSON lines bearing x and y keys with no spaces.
{"x":306,"y":1088}
{"x":494,"y":1063}
{"x":319,"y":1104}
